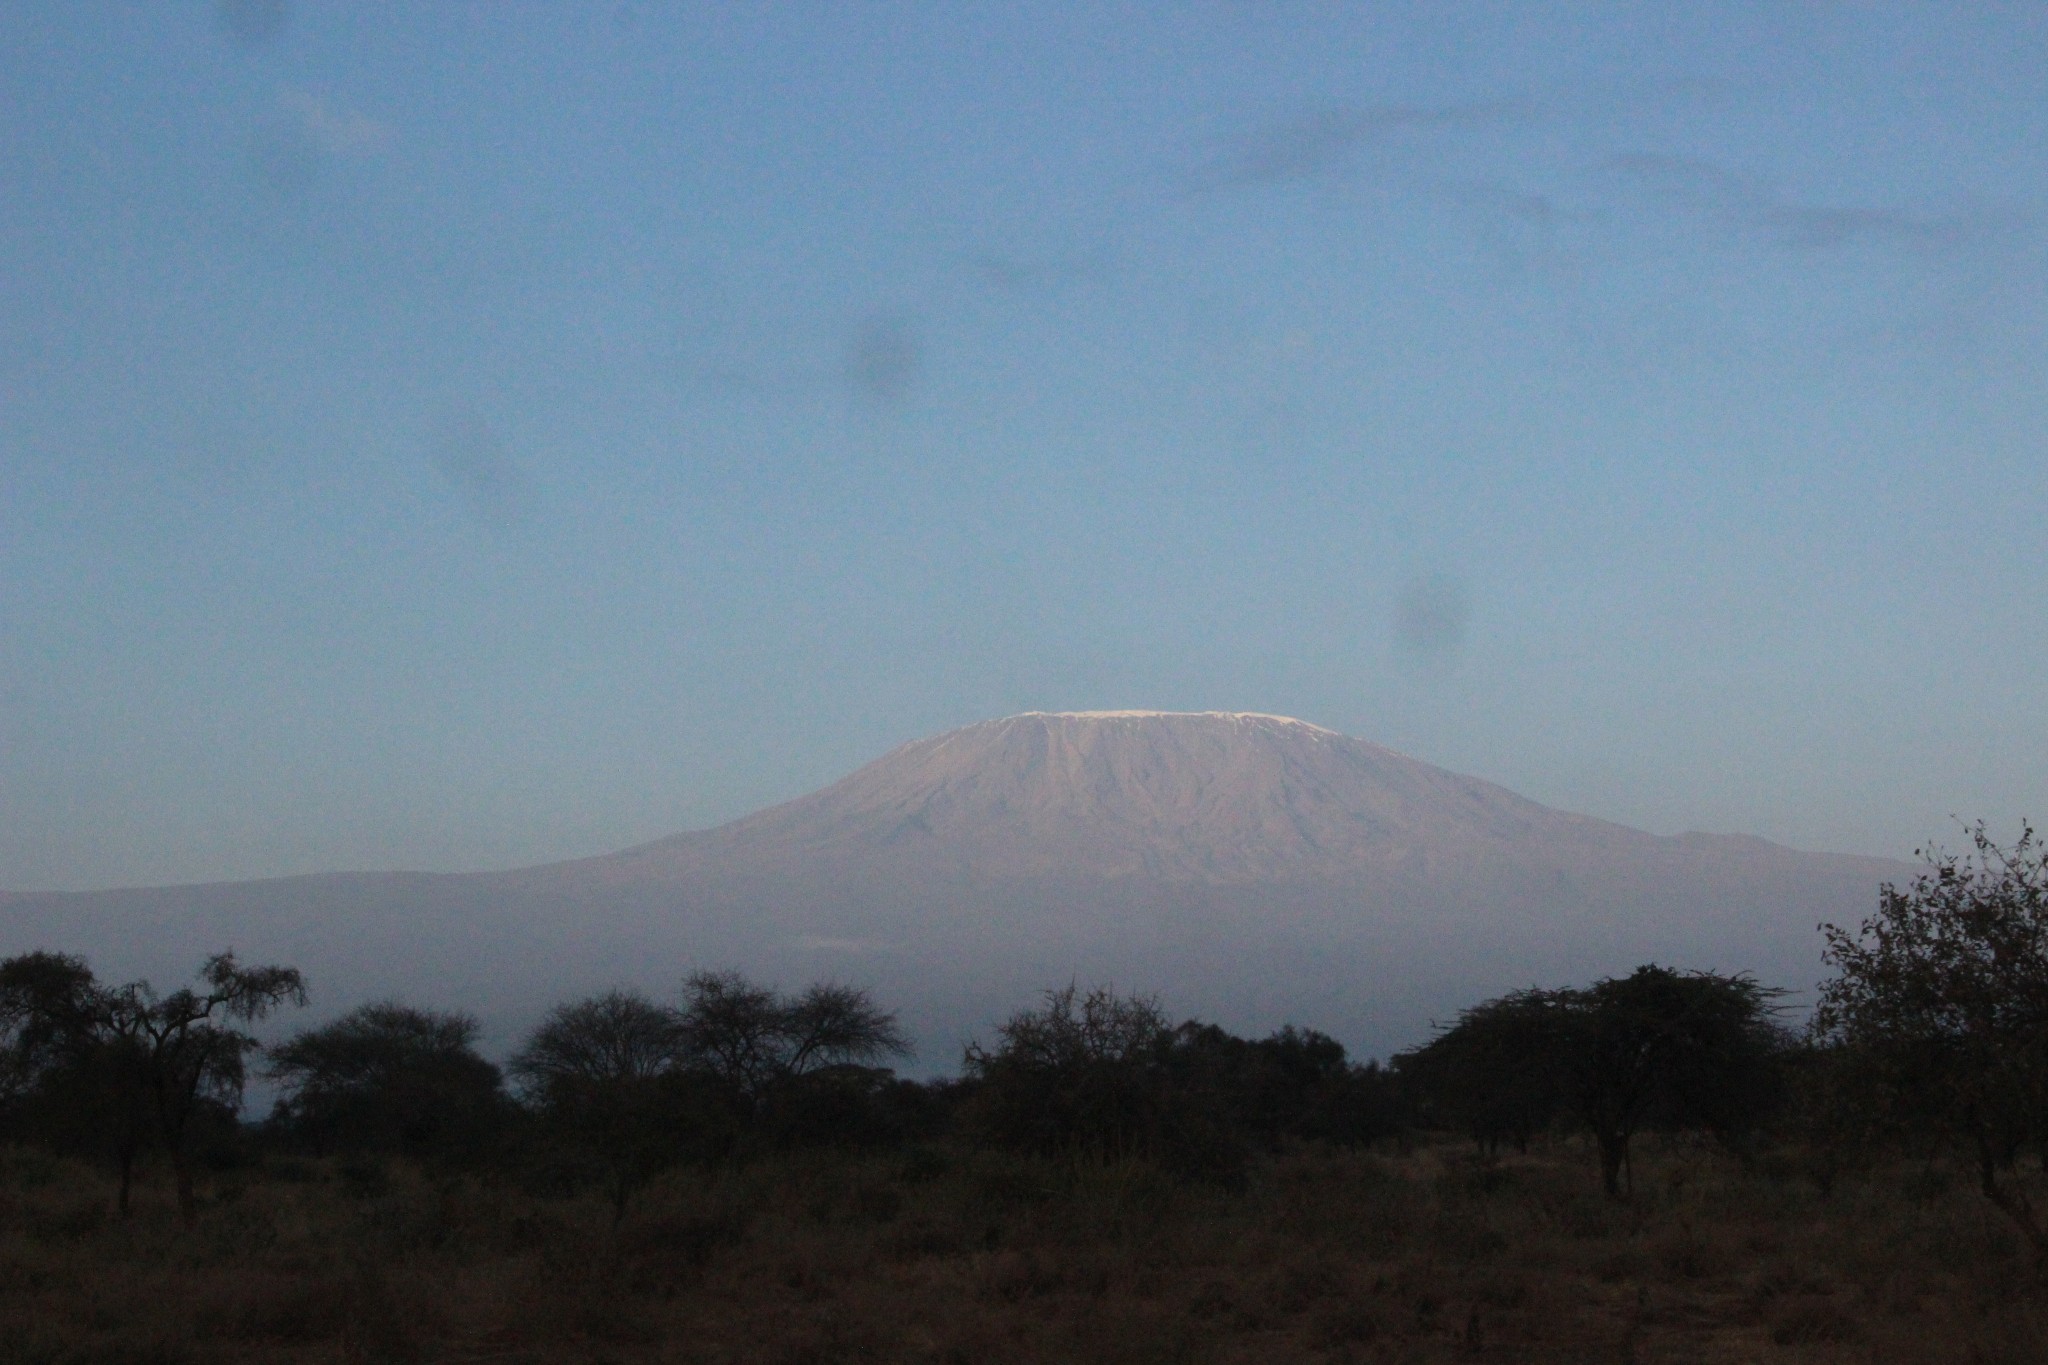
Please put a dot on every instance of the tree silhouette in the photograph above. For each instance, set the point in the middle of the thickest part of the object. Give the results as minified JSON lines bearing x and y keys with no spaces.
{"x":388,"y":1077}
{"x":1295,"y":1083}
{"x":44,"y":1018}
{"x":754,"y":1039}
{"x":1498,"y":1072}
{"x":182,"y":1051}
{"x":605,"y":1076}
{"x":1104,"y":1076}
{"x":1080,"y":1074}
{"x":1939,"y":1006}
{"x":1657,"y":1048}
{"x":144,"y":1065}
{"x":1662,"y":1048}
{"x":54,"y":1086}
{"x":616,"y":1036}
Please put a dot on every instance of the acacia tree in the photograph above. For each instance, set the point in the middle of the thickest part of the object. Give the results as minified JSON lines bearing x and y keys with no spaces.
{"x":182,"y":1051}
{"x":837,"y":1025}
{"x":140,"y":1064}
{"x":754,"y":1039}
{"x":617,"y":1036}
{"x":388,"y":1077}
{"x":1656,"y":1049}
{"x":1498,"y":1072}
{"x":1080,"y":1075}
{"x":1667,"y":1049}
{"x":42,"y":1017}
{"x":733,"y":1029}
{"x":1939,"y":1004}
{"x":49,"y":1057}
{"x":632,"y":1087}
{"x":604,"y":1074}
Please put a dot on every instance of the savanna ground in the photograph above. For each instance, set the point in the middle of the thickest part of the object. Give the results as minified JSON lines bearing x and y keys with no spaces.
{"x":1432,"y":1254}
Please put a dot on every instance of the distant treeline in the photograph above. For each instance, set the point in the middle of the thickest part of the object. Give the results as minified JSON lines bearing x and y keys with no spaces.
{"x":1932,"y":1032}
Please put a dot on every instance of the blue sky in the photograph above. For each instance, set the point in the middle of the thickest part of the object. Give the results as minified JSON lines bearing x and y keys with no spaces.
{"x":460,"y":435}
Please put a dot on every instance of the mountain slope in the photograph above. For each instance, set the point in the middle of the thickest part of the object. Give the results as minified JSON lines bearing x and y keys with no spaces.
{"x":1253,"y":868}
{"x":1216,"y":797}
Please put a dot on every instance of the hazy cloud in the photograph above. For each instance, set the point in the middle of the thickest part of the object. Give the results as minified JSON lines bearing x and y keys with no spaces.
{"x":878,"y":358}
{"x":1326,"y":140}
{"x":1748,"y":203}
{"x":289,"y":153}
{"x":1522,"y":228}
{"x":253,"y":23}
{"x":1041,"y":274}
{"x":285,"y":159}
{"x":1431,"y":616}
{"x":734,"y":379}
{"x":340,"y":130}
{"x":818,"y":943}
{"x":883,"y":358}
{"x":470,"y":453}
{"x":1504,"y":201}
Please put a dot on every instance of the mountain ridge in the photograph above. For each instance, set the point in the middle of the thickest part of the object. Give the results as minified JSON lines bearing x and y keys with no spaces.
{"x":1044,"y":792}
{"x":1256,"y":869}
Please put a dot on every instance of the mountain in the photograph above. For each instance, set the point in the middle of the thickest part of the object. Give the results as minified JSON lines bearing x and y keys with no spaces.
{"x":1253,"y":869}
{"x":1213,"y":797}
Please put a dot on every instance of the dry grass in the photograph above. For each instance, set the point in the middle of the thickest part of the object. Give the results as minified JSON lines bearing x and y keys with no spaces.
{"x":971,"y":1257}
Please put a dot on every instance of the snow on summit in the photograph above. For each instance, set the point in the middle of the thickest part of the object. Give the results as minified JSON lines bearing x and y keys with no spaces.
{"x":1241,"y":716}
{"x":1211,"y":796}
{"x":1250,"y":867}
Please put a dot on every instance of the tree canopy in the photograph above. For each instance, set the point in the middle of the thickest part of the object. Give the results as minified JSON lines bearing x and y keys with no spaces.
{"x":754,"y":1038}
{"x":137,"y":1065}
{"x":388,"y":1077}
{"x":1939,"y":1003}
{"x":1658,"y":1048}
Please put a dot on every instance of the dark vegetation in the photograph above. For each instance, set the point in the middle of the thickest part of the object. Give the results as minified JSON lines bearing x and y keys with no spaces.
{"x":1653,"y":1166}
